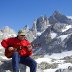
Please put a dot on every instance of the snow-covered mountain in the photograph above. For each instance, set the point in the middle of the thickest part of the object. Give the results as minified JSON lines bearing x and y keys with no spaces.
{"x":56,"y":37}
{"x":52,"y":42}
{"x":7,"y":32}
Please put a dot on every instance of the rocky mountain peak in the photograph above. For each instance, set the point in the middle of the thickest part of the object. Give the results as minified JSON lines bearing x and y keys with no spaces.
{"x":56,"y":13}
{"x":42,"y":23}
{"x":26,"y":28}
{"x":58,"y":17}
{"x":34,"y":28}
{"x":7,"y":29}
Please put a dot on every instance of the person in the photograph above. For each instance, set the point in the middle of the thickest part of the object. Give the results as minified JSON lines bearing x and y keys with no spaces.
{"x":21,"y":51}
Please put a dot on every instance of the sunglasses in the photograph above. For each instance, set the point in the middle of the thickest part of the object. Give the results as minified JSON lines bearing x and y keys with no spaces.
{"x":22,"y":35}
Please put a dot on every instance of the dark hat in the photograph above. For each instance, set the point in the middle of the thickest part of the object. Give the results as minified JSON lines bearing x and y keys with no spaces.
{"x":21,"y":32}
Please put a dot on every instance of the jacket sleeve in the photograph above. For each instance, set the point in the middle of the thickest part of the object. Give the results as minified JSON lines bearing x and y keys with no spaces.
{"x":30,"y":53}
{"x":5,"y":43}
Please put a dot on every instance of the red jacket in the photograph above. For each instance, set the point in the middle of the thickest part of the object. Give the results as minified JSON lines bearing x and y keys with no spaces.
{"x":15,"y":42}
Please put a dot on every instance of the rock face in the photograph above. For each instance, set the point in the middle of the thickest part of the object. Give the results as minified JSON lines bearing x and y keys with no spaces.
{"x":55,"y":39}
{"x":69,"y":43}
{"x":42,"y":23}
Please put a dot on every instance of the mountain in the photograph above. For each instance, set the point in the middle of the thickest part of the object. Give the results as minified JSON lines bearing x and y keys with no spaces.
{"x":52,"y":34}
{"x":7,"y":32}
{"x":52,"y":43}
{"x":56,"y":37}
{"x":40,"y":25}
{"x":58,"y":17}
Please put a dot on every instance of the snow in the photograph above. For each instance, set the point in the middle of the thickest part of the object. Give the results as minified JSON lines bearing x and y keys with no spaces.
{"x":48,"y":25}
{"x":63,"y":66}
{"x":39,"y":60}
{"x":59,"y":55}
{"x":53,"y":35}
{"x":58,"y":61}
{"x":67,"y":27}
{"x":39,"y":33}
{"x":63,"y":37}
{"x":69,"y":17}
{"x":50,"y":70}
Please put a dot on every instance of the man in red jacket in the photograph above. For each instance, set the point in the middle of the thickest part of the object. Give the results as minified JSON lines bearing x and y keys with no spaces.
{"x":19,"y":49}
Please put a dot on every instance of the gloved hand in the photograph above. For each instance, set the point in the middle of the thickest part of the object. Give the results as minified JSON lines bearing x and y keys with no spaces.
{"x":29,"y":48}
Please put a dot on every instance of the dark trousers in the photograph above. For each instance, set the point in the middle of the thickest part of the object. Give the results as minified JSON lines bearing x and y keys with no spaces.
{"x":28,"y":61}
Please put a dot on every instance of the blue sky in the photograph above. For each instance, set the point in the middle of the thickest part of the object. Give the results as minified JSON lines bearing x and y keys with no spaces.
{"x":18,"y":13}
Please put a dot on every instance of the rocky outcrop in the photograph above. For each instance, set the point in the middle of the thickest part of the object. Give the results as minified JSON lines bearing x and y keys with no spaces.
{"x":69,"y":69}
{"x":6,"y":66}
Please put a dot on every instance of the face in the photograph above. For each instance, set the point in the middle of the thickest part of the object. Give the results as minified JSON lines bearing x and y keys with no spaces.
{"x":21,"y":37}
